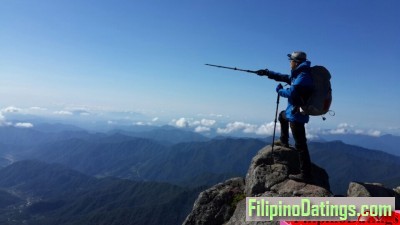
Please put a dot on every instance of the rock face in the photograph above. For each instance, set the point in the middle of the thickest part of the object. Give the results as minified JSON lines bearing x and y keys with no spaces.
{"x":267,"y":177}
{"x":269,"y":173}
{"x":217,"y":204}
{"x":357,"y":189}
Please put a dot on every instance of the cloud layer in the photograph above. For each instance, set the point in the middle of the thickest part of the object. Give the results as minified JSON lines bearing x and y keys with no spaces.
{"x":209,"y":124}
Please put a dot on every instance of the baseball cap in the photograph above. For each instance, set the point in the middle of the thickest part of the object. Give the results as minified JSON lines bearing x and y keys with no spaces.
{"x":298,"y":56}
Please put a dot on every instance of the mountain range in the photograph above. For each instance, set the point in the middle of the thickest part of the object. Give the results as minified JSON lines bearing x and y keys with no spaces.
{"x":34,"y":192}
{"x":60,"y":174}
{"x":192,"y":161}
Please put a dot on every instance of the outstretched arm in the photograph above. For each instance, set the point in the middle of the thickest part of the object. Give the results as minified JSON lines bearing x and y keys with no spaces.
{"x":278,"y":76}
{"x":274,"y":75}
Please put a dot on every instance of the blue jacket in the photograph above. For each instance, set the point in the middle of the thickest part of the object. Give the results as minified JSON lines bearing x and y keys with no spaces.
{"x":300,"y":90}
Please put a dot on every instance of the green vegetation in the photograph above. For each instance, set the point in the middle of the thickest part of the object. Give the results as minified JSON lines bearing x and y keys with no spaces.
{"x":236,"y":199}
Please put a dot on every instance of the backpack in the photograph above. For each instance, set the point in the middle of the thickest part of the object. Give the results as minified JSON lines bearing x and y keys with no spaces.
{"x":321,"y":98}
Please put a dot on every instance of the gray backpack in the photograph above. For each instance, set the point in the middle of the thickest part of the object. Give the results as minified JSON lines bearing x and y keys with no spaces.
{"x":321,"y":97}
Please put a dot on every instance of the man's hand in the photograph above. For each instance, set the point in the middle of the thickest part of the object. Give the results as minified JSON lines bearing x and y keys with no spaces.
{"x":262,"y":72}
{"x":279,"y":87}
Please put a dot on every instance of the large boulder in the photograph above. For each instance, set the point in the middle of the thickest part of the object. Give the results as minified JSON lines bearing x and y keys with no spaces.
{"x":267,"y":177}
{"x":358,"y":189}
{"x":216,"y":205}
{"x":269,"y":172}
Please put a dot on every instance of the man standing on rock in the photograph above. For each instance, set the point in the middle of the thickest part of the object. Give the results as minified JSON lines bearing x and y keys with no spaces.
{"x":298,"y":93}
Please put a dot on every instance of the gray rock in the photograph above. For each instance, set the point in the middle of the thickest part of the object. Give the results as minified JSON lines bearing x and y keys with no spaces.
{"x":267,"y":170}
{"x":261,"y":178}
{"x":291,"y":188}
{"x":216,"y":205}
{"x":397,"y":190}
{"x":268,"y":177}
{"x":358,"y":189}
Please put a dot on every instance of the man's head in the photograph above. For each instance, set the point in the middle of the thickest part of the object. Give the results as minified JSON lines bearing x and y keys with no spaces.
{"x":296,"y":58}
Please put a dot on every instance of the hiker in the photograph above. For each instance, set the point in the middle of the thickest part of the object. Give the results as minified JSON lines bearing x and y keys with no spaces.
{"x":297,"y":94}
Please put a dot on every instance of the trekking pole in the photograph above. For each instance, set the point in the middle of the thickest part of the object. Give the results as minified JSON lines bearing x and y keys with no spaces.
{"x":232,"y":68}
{"x":273,"y":136}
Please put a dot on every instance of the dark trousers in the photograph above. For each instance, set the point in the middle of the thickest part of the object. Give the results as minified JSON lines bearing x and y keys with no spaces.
{"x":299,"y":136}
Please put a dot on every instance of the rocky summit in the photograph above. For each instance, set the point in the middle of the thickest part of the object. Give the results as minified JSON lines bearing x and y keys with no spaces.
{"x":268,"y":176}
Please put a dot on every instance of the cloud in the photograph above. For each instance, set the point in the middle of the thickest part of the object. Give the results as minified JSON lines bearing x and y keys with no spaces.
{"x":342,"y":128}
{"x":182,"y":122}
{"x":201,"y":129}
{"x":345,"y":128}
{"x":62,"y":112}
{"x":212,"y":115}
{"x":155,"y":119}
{"x":374,"y":133}
{"x":310,"y":136}
{"x":247,"y":128}
{"x":3,"y":121}
{"x":11,"y":109}
{"x":207,"y":122}
{"x":192,"y":123}
{"x":24,"y":125}
{"x":232,"y":127}
{"x":268,"y":129}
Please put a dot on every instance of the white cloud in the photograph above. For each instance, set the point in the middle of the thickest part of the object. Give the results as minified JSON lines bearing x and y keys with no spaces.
{"x":155,"y":119}
{"x":231,"y":127}
{"x":190,"y":122}
{"x":268,"y":129}
{"x":24,"y":125}
{"x":212,"y":115}
{"x":374,"y":133}
{"x":311,"y":136}
{"x":237,"y":126}
{"x":182,"y":122}
{"x":11,"y":109}
{"x":207,"y":122}
{"x":339,"y":131}
{"x":200,"y":129}
{"x":62,"y":112}
{"x":342,"y":128}
{"x":345,"y":128}
{"x":247,"y":128}
{"x":3,"y":121}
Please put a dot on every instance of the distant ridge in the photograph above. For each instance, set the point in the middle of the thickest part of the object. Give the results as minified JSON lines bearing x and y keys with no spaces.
{"x":49,"y":194}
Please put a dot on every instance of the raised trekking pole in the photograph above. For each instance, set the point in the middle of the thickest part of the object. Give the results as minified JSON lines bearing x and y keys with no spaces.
{"x":273,"y":136}
{"x":232,"y":68}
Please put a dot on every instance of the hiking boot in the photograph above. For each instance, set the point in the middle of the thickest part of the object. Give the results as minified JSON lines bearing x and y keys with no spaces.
{"x":280,"y":143}
{"x":300,"y":177}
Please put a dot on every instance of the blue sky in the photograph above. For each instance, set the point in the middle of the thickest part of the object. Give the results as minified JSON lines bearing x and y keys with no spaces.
{"x":148,"y":57}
